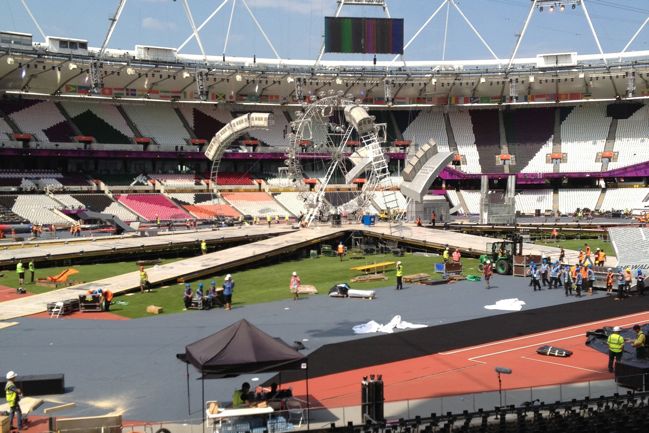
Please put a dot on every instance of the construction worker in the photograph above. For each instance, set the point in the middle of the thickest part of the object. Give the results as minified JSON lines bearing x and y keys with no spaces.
{"x":639,"y":279}
{"x":640,"y":343}
{"x":108,"y":298}
{"x":144,"y":280}
{"x":294,"y":285}
{"x":487,"y":272}
{"x":341,"y":250}
{"x":580,"y":258}
{"x":276,"y":219}
{"x":399,"y":276}
{"x":590,"y":278}
{"x":13,"y":395}
{"x":446,"y":254}
{"x":418,"y":222}
{"x":32,"y":270}
{"x":615,"y":348}
{"x":287,"y":220}
{"x":609,"y":281}
{"x":457,"y":256}
{"x":20,"y":270}
{"x":268,"y":220}
{"x":203,"y":247}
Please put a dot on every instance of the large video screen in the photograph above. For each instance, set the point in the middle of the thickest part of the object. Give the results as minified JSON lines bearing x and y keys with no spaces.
{"x":364,"y":35}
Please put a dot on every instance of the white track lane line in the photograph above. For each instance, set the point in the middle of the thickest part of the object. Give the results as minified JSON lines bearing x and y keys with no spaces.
{"x":564,"y":365}
{"x":525,"y":337}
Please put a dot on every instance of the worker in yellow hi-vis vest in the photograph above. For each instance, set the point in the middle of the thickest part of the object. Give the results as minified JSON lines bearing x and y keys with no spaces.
{"x":399,"y":276}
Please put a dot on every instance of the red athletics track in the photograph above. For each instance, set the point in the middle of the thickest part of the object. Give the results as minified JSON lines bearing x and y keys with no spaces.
{"x":471,"y":369}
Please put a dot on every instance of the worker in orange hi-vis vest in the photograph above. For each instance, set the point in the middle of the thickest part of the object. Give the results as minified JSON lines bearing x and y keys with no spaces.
{"x":341,"y":251}
{"x":555,"y":234}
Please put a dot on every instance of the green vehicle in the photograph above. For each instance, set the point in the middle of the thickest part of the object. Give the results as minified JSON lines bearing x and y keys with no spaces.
{"x":502,"y":255}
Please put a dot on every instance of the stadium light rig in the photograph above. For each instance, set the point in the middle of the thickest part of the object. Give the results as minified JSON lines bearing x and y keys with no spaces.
{"x":553,"y":5}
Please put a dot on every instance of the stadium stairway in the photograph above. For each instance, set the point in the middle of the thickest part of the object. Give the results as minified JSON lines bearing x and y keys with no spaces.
{"x":463,"y":203}
{"x":129,"y":122}
{"x":452,"y":144}
{"x":182,"y":118}
{"x":504,"y":148}
{"x":556,"y":139}
{"x":610,"y":142}
{"x":555,"y":201}
{"x":600,"y":199}
{"x":67,"y":117}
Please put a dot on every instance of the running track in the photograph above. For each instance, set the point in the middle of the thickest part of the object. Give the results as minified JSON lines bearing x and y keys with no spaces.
{"x":471,"y":369}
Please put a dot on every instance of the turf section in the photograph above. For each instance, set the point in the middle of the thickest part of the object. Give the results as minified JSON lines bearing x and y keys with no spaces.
{"x":270,"y":283}
{"x":87,"y":273}
{"x":576,"y":244}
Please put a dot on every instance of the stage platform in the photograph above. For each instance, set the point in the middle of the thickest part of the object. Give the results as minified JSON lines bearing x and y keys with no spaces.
{"x":284,"y":240}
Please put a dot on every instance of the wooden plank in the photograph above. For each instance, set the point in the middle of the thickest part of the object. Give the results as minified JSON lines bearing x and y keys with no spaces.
{"x":59,"y":407}
{"x":91,"y":424}
{"x":366,"y":268}
{"x":370,"y":277}
{"x":27,"y":405}
{"x":414,"y":278}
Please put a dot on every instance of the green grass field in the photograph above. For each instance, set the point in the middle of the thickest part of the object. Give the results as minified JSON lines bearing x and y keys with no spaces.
{"x":258,"y":285}
{"x":576,"y":244}
{"x":86,"y":273}
{"x":270,"y":283}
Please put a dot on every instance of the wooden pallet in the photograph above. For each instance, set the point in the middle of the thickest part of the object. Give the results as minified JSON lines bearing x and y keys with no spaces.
{"x":415,"y":278}
{"x":369,"y":277}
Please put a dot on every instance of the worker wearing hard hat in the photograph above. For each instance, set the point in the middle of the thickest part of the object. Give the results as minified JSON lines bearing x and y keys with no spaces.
{"x":13,"y":395}
{"x":615,"y":348}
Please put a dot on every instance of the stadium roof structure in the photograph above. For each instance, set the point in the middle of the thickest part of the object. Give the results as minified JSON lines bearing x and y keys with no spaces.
{"x":69,"y":67}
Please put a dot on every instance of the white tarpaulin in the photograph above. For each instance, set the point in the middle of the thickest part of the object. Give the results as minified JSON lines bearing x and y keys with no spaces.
{"x":396,"y":323}
{"x":512,"y":304}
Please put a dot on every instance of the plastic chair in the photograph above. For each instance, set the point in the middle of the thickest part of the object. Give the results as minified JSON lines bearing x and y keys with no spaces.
{"x":57,"y":310}
{"x":295,"y":411}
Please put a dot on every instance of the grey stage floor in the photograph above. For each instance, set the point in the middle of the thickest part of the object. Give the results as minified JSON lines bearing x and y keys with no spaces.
{"x":131,"y":365}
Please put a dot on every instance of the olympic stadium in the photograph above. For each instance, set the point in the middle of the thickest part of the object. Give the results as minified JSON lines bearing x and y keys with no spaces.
{"x":141,"y":162}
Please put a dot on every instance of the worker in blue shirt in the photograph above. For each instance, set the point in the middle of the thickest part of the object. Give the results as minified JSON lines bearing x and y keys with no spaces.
{"x":187,"y":296}
{"x":228,"y":288}
{"x":579,"y":280}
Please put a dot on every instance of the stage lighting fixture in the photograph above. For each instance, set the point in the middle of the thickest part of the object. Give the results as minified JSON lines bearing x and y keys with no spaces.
{"x":551,"y":8}
{"x":562,"y":8}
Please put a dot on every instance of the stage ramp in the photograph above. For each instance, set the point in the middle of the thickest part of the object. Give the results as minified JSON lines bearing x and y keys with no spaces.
{"x":631,"y":246}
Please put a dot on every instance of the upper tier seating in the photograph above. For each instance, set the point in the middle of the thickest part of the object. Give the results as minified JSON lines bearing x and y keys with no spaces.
{"x":45,"y":122}
{"x":255,"y":204}
{"x":152,"y":206}
{"x":528,"y":131}
{"x":538,"y":163}
{"x":9,"y":106}
{"x":528,"y":201}
{"x":292,"y":202}
{"x":632,"y":139}
{"x":571,"y":199}
{"x":209,"y":211}
{"x":205,"y":121}
{"x":102,"y":121}
{"x":466,"y":140}
{"x":487,"y":139}
{"x":5,"y":130}
{"x":160,"y":122}
{"x":229,"y":178}
{"x":429,"y":124}
{"x":625,"y":198}
{"x":583,"y":135}
{"x":38,"y":209}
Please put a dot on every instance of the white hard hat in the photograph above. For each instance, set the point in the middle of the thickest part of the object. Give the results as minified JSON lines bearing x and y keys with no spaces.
{"x":617,"y":329}
{"x":11,"y":375}
{"x":488,"y":261}
{"x":227,"y":277}
{"x":398,"y":263}
{"x":294,"y":274}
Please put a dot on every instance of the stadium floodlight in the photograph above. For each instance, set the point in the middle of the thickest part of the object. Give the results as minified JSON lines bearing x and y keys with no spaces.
{"x":238,"y":77}
{"x":72,"y":66}
{"x":10,"y":60}
{"x":483,"y":79}
{"x":582,"y":75}
{"x":130,"y":71}
{"x":339,"y":80}
{"x":186,"y":74}
{"x":433,"y":81}
{"x":290,"y":79}
{"x":531,"y":79}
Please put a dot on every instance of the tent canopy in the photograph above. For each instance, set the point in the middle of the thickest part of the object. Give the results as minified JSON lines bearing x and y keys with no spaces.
{"x":240,"y":348}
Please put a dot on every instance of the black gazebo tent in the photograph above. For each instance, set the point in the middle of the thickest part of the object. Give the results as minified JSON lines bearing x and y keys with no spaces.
{"x":240,"y":348}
